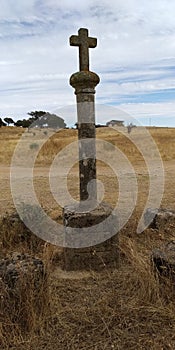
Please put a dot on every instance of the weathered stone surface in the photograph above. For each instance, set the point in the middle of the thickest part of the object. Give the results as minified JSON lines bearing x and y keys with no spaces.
{"x":84,"y":42}
{"x":80,"y":215}
{"x":84,"y":83}
{"x":161,"y":219}
{"x":94,"y":227}
{"x":23,"y":290}
{"x":18,"y":266}
{"x":164,"y":260}
{"x":91,"y":254}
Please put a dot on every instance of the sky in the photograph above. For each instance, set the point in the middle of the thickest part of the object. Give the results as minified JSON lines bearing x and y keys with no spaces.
{"x":134,"y":57}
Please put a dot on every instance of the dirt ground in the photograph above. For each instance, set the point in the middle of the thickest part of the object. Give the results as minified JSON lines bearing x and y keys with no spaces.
{"x":45,"y":197}
{"x":118,"y":309}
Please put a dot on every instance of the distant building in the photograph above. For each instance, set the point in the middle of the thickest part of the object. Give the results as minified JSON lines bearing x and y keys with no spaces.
{"x":115,"y":123}
{"x":100,"y":126}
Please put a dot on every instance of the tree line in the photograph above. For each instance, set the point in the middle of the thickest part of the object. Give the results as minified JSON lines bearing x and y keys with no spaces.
{"x":40,"y":119}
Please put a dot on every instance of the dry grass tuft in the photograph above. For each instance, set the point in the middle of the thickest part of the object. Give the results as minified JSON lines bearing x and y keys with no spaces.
{"x":145,"y":281}
{"x":130,"y":308}
{"x":15,"y":235}
{"x":23,"y":309}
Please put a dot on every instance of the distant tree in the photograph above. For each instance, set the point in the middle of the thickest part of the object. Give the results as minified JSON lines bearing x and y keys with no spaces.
{"x":45,"y":119}
{"x":36,"y":118}
{"x":42,"y":119}
{"x":36,"y":114}
{"x":2,"y":123}
{"x":54,"y":121}
{"x":25,"y":123}
{"x":18,"y":123}
{"x":8,"y":120}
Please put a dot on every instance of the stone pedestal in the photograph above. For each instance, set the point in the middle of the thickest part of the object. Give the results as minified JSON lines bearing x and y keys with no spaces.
{"x":91,"y":237}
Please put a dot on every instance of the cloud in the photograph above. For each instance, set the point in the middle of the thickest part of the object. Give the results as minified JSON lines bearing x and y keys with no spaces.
{"x":161,"y":113}
{"x":135,"y":56}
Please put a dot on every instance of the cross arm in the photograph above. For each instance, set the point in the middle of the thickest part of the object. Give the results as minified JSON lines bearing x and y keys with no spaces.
{"x":84,"y":42}
{"x":74,"y":40}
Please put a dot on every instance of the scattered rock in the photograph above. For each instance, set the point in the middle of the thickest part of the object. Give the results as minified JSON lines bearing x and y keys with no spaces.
{"x":23,"y":290}
{"x":18,"y":266}
{"x":164,"y":260}
{"x":160,"y":219}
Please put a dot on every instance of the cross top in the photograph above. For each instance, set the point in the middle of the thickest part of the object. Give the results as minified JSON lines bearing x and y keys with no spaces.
{"x":84,"y":42}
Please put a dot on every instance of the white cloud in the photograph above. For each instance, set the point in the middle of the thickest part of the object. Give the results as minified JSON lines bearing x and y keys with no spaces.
{"x":151,"y":113}
{"x":136,"y":49}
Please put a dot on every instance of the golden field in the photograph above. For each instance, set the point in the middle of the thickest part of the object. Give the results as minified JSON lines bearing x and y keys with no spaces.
{"x":126,"y":308}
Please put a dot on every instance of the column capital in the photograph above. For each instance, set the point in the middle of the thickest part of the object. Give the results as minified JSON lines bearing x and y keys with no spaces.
{"x":84,"y":82}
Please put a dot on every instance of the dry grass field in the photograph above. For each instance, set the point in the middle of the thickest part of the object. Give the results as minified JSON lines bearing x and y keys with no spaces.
{"x":127,"y":308}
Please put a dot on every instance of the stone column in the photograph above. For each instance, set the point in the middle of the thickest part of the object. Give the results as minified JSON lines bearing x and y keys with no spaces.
{"x":84,"y":83}
{"x":91,"y":239}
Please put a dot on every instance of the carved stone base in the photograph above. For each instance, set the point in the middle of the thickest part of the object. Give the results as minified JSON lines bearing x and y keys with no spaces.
{"x":91,"y":238}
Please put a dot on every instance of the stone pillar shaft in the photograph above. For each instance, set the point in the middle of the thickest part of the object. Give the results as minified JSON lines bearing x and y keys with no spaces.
{"x":87,"y":149}
{"x":84,"y":84}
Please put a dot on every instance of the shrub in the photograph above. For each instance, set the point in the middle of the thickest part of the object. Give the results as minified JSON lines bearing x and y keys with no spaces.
{"x":34,"y":146}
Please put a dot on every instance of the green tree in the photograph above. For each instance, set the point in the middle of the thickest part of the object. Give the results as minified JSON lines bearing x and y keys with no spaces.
{"x":36,"y":117}
{"x":45,"y":119}
{"x":25,"y":123}
{"x":54,"y":121}
{"x":18,"y":123}
{"x":8,"y":120}
{"x":36,"y":114}
{"x":42,"y":119}
{"x":2,"y":123}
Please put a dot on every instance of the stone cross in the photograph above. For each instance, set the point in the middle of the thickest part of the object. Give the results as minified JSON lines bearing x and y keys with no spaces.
{"x":84,"y":42}
{"x":84,"y":83}
{"x":88,"y":223}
